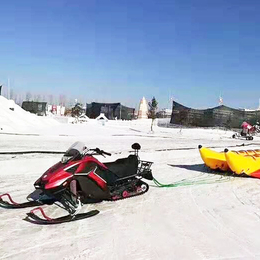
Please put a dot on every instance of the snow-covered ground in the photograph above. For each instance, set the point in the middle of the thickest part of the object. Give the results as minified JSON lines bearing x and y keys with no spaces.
{"x":220,"y":220}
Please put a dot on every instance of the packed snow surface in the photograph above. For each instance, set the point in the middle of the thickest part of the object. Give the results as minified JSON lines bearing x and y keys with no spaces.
{"x":216,"y":220}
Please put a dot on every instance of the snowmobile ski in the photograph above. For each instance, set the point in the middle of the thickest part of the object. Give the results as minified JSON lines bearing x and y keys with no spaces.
{"x":15,"y":205}
{"x":33,"y":218}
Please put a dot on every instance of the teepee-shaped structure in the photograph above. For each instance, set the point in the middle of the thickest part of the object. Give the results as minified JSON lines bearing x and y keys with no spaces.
{"x":102,"y":117}
{"x":143,"y":109}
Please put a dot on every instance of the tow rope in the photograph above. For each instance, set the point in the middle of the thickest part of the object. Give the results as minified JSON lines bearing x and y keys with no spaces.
{"x":186,"y":182}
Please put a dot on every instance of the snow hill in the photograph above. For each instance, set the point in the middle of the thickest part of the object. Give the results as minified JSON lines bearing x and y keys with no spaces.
{"x":15,"y":119}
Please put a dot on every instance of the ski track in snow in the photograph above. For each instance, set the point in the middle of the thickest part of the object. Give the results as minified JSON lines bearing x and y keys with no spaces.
{"x":211,"y":221}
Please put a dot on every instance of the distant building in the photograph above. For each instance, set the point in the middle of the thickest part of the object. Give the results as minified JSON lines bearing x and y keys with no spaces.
{"x":143,"y":109}
{"x":164,"y":113}
{"x":110,"y":110}
{"x":0,"y":89}
{"x":56,"y":110}
{"x":38,"y":108}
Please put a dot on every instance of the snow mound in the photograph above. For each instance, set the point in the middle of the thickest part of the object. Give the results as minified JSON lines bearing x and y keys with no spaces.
{"x":15,"y":119}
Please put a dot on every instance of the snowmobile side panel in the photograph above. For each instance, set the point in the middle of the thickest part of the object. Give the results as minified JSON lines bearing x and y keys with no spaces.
{"x":101,"y":182}
{"x":60,"y":178}
{"x":89,"y":189}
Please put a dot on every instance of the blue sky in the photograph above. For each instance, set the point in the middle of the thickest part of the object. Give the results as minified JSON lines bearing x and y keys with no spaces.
{"x":122,"y":50}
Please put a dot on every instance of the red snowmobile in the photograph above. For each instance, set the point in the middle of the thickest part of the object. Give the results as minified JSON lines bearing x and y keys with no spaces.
{"x":79,"y":178}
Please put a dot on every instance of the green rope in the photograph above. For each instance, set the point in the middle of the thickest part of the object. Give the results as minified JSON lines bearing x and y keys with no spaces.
{"x":186,"y":182}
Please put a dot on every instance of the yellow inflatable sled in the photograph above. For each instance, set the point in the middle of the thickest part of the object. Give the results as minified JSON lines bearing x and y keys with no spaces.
{"x":248,"y":163}
{"x":214,"y":160}
{"x":240,"y":162}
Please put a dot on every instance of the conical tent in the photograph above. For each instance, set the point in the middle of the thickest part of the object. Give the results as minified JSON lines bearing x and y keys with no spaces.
{"x":143,"y":109}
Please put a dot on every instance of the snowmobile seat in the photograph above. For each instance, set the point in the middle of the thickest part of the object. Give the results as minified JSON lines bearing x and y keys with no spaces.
{"x":124,"y":167}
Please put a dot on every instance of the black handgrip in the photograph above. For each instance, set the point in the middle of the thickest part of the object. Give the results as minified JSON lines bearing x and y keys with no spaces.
{"x":103,"y":152}
{"x":97,"y":150}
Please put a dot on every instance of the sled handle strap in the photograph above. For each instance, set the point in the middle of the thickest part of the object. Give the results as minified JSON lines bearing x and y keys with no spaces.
{"x":9,"y":197}
{"x":42,"y":212}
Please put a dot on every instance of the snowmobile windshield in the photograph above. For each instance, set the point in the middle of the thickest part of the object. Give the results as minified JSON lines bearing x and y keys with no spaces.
{"x":74,"y":152}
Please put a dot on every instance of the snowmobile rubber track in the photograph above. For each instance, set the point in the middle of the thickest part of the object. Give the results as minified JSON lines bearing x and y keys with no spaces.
{"x":128,"y":197}
{"x":134,"y":194}
{"x":32,"y":218}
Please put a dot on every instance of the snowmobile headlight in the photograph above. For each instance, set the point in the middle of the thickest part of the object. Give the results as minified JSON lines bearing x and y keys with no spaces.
{"x":65,"y":158}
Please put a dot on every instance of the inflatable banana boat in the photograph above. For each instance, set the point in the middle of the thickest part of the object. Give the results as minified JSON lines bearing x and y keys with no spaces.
{"x":214,"y":160}
{"x":248,"y":164}
{"x":240,"y":162}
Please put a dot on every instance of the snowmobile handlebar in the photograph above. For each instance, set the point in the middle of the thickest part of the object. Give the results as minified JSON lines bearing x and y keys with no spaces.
{"x":101,"y":152}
